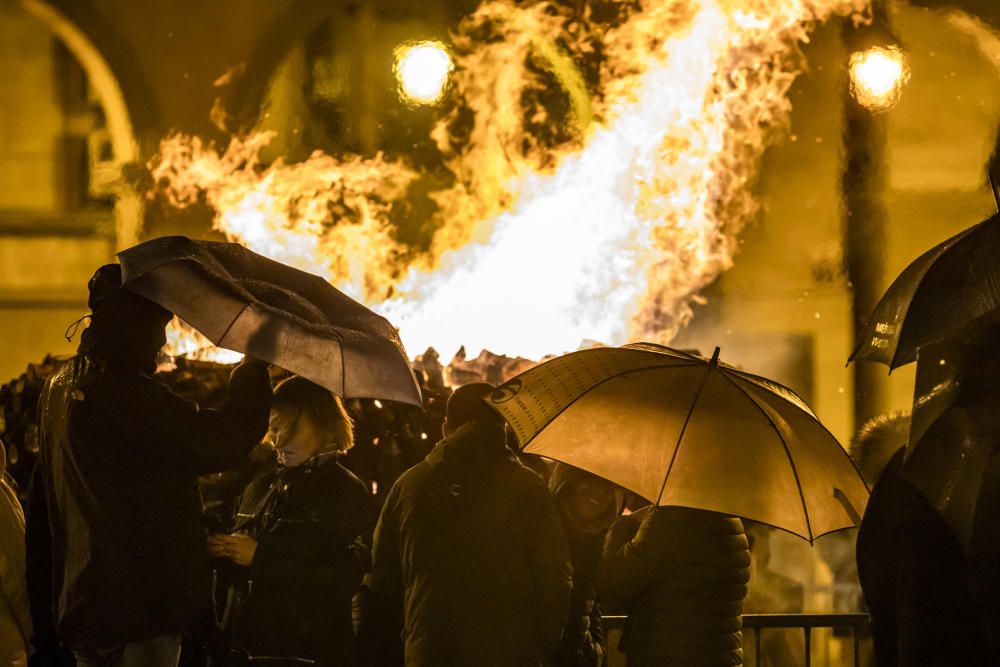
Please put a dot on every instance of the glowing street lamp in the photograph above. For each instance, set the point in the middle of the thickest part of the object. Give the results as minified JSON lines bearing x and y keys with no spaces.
{"x":422,"y":71}
{"x":878,"y":75}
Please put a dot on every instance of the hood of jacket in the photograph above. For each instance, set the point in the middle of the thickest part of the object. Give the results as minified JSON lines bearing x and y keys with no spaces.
{"x":475,"y":444}
{"x":563,"y":478}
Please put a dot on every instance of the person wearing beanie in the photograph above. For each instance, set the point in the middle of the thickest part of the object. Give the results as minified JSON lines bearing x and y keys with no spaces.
{"x":470,"y":562}
{"x":120,"y":455}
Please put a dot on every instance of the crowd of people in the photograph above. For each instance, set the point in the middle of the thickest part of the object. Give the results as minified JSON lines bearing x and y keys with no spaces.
{"x":476,"y":555}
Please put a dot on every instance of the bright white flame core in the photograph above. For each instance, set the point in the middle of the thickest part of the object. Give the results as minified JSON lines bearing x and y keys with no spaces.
{"x":538,"y":250}
{"x":878,"y":75}
{"x":422,"y":71}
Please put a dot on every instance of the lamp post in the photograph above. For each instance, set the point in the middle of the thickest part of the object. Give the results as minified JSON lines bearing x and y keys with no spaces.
{"x":877,"y":72}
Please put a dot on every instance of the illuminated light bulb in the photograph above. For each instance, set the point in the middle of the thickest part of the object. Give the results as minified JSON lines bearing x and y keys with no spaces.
{"x":422,"y":71}
{"x":878,"y":75}
{"x":378,"y":403}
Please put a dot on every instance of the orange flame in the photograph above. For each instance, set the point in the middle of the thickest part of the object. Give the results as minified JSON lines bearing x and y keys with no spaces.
{"x":184,"y":341}
{"x":608,"y":235}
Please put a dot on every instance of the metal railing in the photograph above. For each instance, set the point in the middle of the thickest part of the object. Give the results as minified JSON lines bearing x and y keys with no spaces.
{"x":858,"y":623}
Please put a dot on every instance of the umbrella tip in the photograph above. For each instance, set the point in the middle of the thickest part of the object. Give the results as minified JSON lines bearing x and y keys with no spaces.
{"x":715,"y":357}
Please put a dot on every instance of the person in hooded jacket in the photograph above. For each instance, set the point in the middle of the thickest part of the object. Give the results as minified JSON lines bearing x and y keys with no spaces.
{"x":470,"y":563}
{"x":15,"y":619}
{"x":301,"y":537}
{"x":588,"y":506}
{"x":119,"y":461}
{"x":681,"y":574}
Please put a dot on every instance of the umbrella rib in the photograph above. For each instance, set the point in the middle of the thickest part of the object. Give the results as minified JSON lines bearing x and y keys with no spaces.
{"x":680,"y":438}
{"x":231,"y":323}
{"x":788,"y":453}
{"x":585,"y":392}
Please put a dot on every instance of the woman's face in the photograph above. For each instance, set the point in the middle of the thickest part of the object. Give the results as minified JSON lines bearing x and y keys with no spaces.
{"x":294,"y":436}
{"x":591,"y":499}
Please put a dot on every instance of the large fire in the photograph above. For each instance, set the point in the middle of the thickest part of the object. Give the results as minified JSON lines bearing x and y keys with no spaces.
{"x":606,"y":236}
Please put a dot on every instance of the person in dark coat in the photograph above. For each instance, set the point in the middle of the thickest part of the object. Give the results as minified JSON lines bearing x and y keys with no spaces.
{"x":470,"y":563}
{"x":681,"y":574}
{"x":120,"y":456}
{"x":915,"y":579}
{"x":302,"y":537}
{"x":588,"y":506}
{"x":929,"y":544}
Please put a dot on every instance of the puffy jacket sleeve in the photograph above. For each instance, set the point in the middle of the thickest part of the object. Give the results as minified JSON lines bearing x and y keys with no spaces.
{"x":631,"y":555}
{"x":551,"y":565}
{"x":185,"y":436}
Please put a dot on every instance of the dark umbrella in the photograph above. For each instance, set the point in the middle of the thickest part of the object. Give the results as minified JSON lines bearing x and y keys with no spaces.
{"x":245,"y":302}
{"x":935,"y":296}
{"x":955,"y":402}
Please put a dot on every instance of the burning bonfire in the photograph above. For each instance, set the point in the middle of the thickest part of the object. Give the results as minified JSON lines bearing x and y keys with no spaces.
{"x":604,"y":231}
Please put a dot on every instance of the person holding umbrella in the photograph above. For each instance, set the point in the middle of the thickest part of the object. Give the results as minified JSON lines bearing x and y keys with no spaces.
{"x":302,"y":537}
{"x":934,"y":512}
{"x":682,"y":576}
{"x":119,"y":460}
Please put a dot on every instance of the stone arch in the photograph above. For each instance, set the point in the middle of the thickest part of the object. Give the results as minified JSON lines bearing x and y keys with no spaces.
{"x":128,"y":203}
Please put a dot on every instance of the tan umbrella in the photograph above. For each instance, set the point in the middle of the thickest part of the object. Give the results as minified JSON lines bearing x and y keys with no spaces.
{"x":678,"y":429}
{"x":245,"y":302}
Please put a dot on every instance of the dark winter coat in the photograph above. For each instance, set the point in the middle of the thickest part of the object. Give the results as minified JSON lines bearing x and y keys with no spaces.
{"x":120,"y":457}
{"x":984,"y":557}
{"x":470,"y":548}
{"x":915,"y":579}
{"x":313,"y":525}
{"x":583,"y":642}
{"x":682,"y":576}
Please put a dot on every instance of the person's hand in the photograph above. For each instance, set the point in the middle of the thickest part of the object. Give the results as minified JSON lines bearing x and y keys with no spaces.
{"x":238,"y":548}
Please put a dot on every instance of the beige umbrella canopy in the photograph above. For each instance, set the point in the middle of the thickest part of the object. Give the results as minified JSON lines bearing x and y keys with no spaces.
{"x":678,"y":429}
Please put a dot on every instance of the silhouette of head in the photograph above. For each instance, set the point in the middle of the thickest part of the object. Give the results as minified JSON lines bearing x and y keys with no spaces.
{"x":467,"y":404}
{"x":126,"y":330}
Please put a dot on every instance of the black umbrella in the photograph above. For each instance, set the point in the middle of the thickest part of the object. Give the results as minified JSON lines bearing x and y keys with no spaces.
{"x":938,"y":294}
{"x":245,"y":302}
{"x":955,"y":393}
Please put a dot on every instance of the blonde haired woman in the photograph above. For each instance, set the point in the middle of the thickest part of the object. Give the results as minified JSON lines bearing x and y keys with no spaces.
{"x":301,"y":537}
